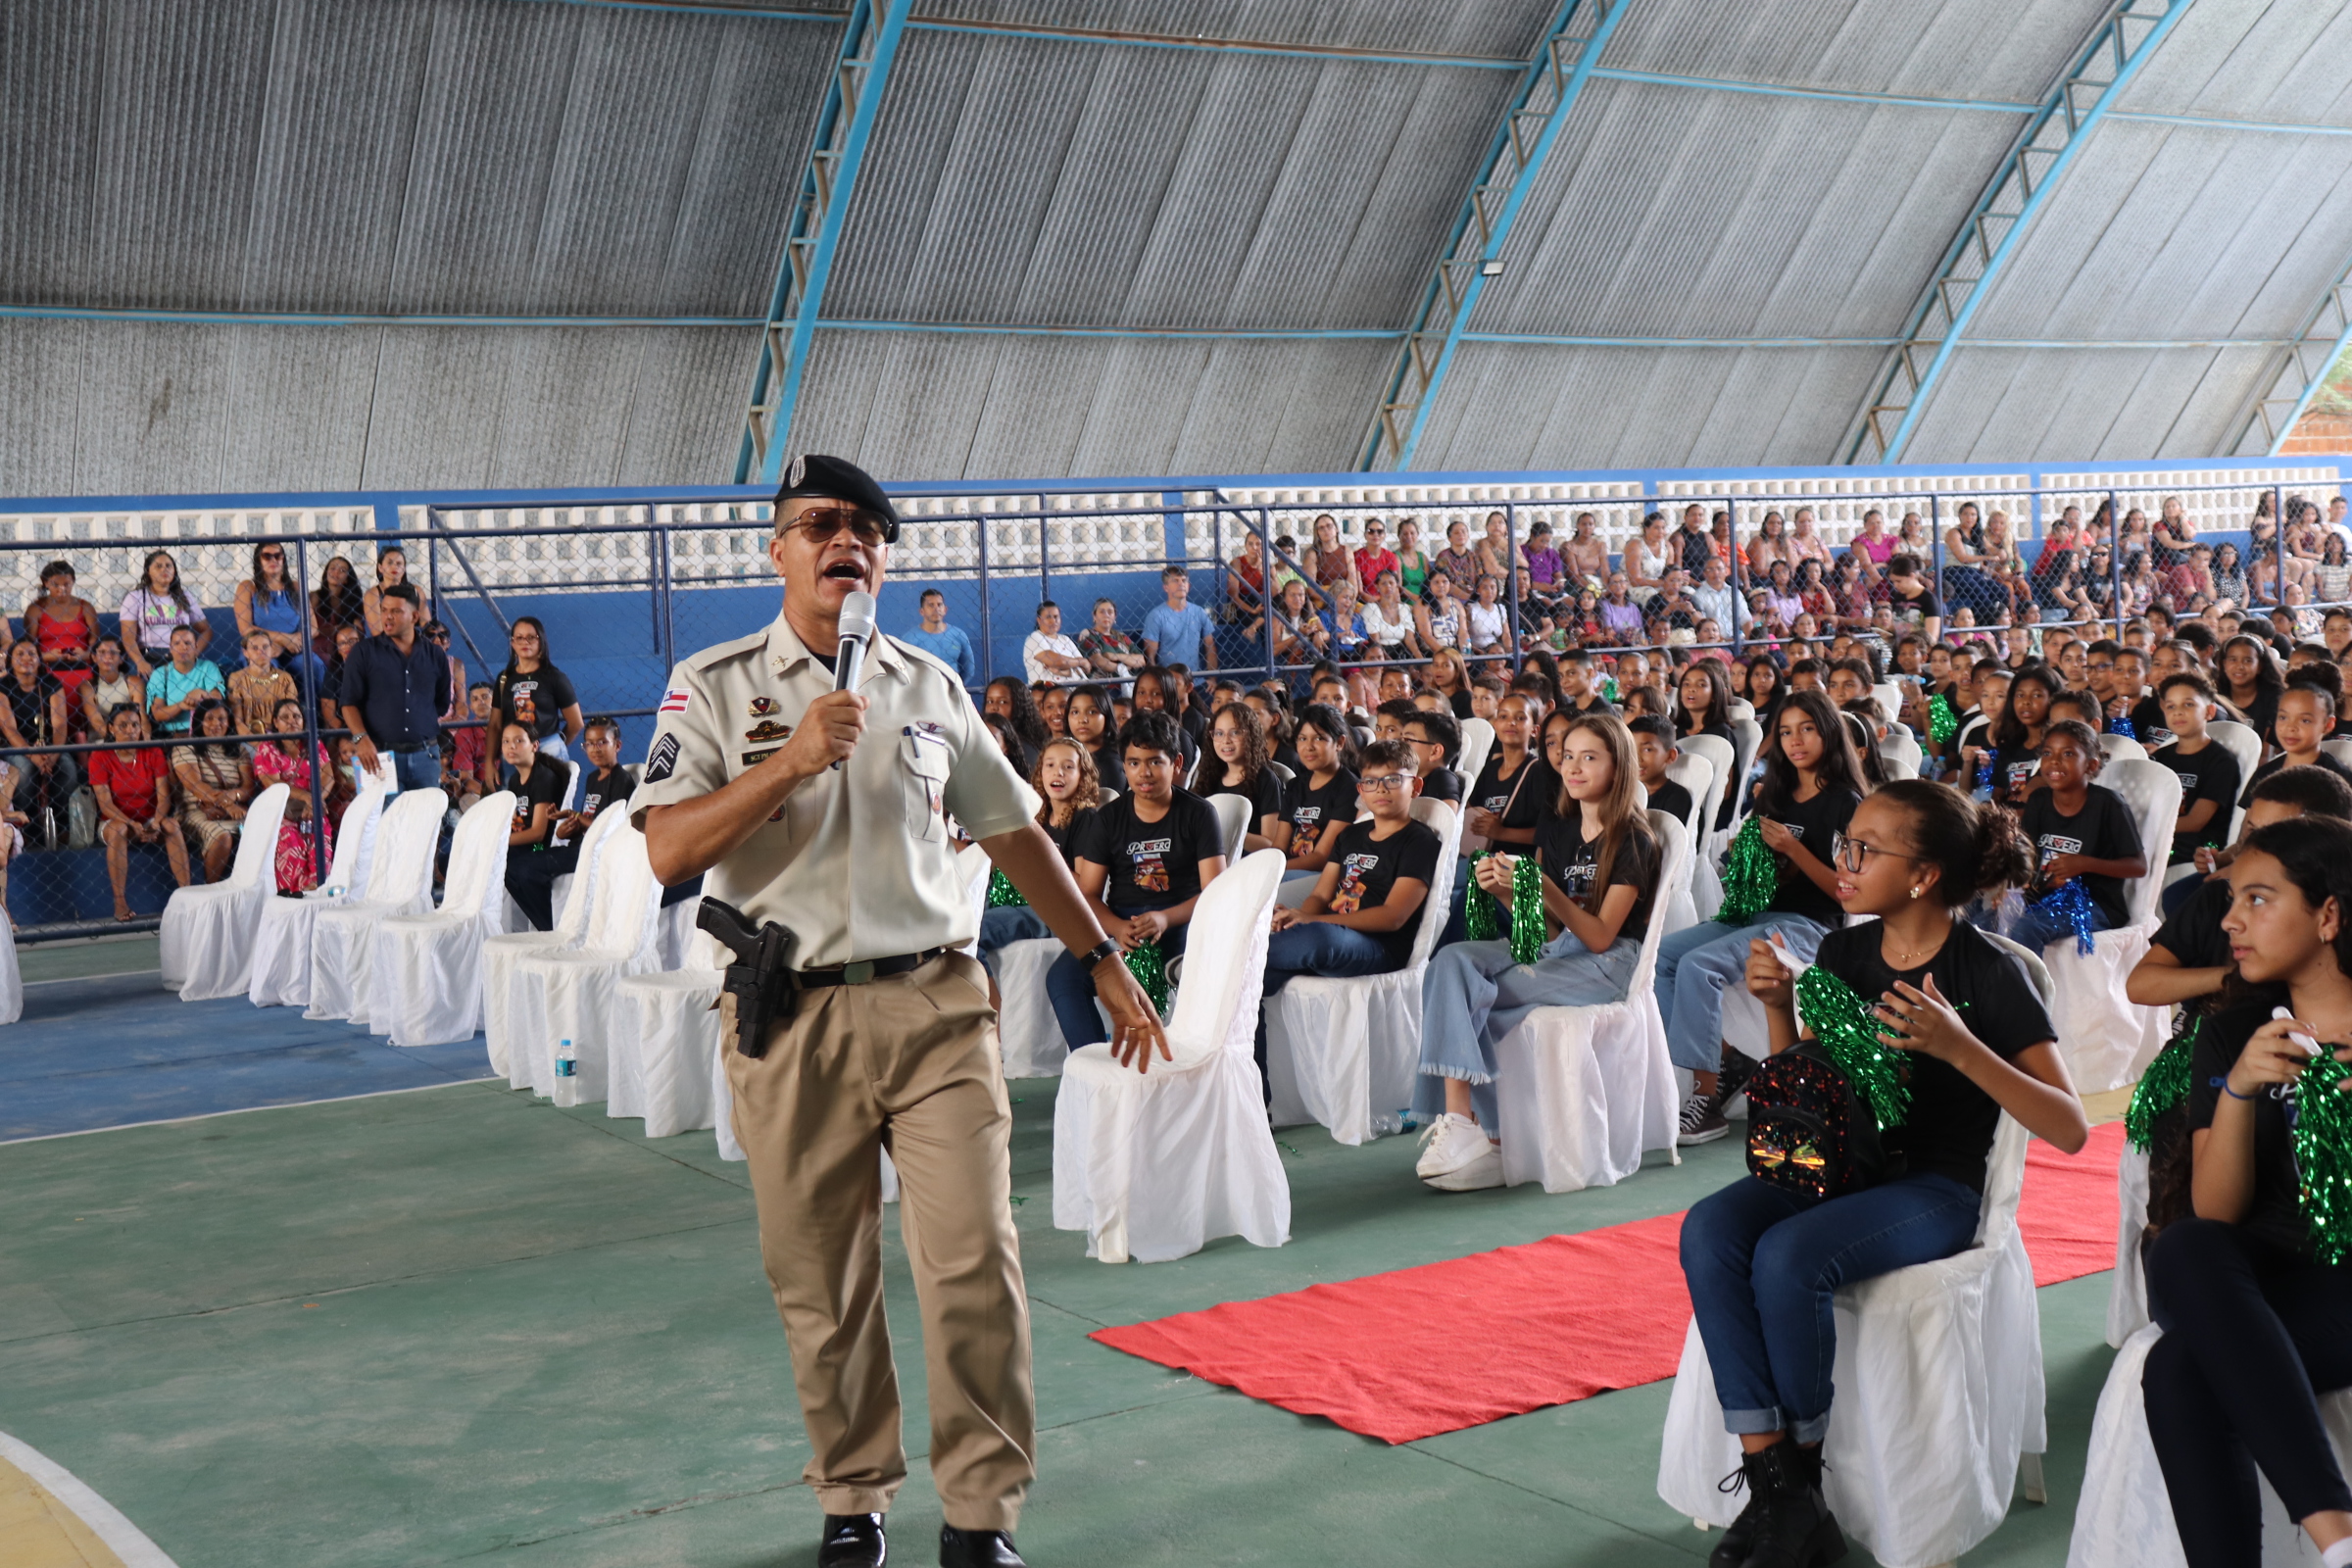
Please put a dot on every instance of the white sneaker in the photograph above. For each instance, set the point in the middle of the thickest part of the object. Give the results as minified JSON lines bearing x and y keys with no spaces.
{"x":1484,"y":1169}
{"x":1450,"y":1142}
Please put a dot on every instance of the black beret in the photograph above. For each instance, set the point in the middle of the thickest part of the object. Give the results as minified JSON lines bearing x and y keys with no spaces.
{"x":837,"y":479}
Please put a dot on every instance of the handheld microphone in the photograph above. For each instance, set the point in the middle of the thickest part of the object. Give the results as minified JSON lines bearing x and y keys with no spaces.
{"x":856,"y":629}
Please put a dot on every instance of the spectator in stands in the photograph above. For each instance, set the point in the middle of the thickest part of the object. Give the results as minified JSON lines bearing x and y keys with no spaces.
{"x":1459,"y":561}
{"x":176,"y":688}
{"x":437,"y":633}
{"x":1106,"y":650}
{"x":1343,"y":625}
{"x":943,"y":642}
{"x":1487,"y":628}
{"x":1450,"y":679}
{"x":1413,"y":565}
{"x":2228,"y":577}
{"x":1599,"y":863}
{"x":1542,"y":573}
{"x":391,"y":569}
{"x":287,"y":761}
{"x":1915,"y":605}
{"x":1439,"y":615}
{"x":1329,"y":561}
{"x":1874,"y":540}
{"x":531,"y":878}
{"x":1245,"y":581}
{"x":1047,"y":654}
{"x":337,"y":602}
{"x":1690,"y":546}
{"x":533,"y":692}
{"x":392,"y":692}
{"x":35,"y":715}
{"x":215,"y":784}
{"x":1648,"y":559}
{"x":1144,"y":862}
{"x":1493,"y":549}
{"x":1390,"y":624}
{"x":64,"y":627}
{"x":1373,"y":556}
{"x":1092,"y":726}
{"x":467,"y":774}
{"x":271,"y":601}
{"x":538,"y":781}
{"x":1008,"y":700}
{"x":1586,"y":553}
{"x":133,"y":788}
{"x":1175,"y":631}
{"x":255,"y":688}
{"x":151,"y":610}
{"x":331,"y":712}
{"x":111,"y":683}
{"x":1299,"y":634}
{"x":1717,"y":599}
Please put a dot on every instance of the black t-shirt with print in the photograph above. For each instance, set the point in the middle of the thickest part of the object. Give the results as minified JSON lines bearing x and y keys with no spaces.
{"x":1152,"y":865}
{"x":2103,"y":830}
{"x":1071,"y":835}
{"x":1369,"y":869}
{"x":2148,"y":724}
{"x":1311,"y":809}
{"x":1534,"y":784}
{"x":537,"y":699}
{"x":1672,"y":798}
{"x":2013,"y":768}
{"x":1814,"y":822}
{"x":2323,"y":759}
{"x":2193,"y":932}
{"x":545,"y":787}
{"x":1573,"y":861}
{"x":1950,"y":1127}
{"x":2208,"y":775}
{"x":2274,"y":1216}
{"x":600,"y":790}
{"x":1263,"y":793}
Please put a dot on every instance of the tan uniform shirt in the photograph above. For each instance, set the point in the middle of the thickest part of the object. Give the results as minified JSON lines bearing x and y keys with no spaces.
{"x":857,"y":864}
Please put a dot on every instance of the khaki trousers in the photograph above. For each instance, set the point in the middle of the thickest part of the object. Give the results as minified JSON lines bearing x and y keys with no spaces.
{"x":908,"y":1063}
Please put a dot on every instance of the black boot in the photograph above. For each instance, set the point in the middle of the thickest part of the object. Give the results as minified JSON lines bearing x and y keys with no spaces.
{"x":1740,"y":1534}
{"x":1793,"y":1526}
{"x":976,"y":1549}
{"x":851,"y":1541}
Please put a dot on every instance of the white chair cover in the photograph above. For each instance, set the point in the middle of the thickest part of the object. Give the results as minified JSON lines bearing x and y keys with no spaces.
{"x":1478,"y":744}
{"x":1719,"y":752}
{"x":501,"y":953}
{"x":2246,"y":747}
{"x":1698,"y":774}
{"x":207,"y":938}
{"x":677,"y":931}
{"x":424,"y":979}
{"x":1585,"y":1090}
{"x":664,"y":1044}
{"x":2127,"y":1290}
{"x":1152,"y":1165}
{"x":1675,"y":901}
{"x":1939,"y":1390}
{"x":282,"y":943}
{"x":1232,"y":821}
{"x":400,"y":881}
{"x":569,"y":995}
{"x":2107,"y":1038}
{"x":12,"y":982}
{"x":1345,"y":1052}
{"x":1027,"y":1032}
{"x":2124,"y":1518}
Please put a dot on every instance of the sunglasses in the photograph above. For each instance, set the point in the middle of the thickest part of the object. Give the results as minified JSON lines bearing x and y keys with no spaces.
{"x":274,"y":555}
{"x":867,"y":528}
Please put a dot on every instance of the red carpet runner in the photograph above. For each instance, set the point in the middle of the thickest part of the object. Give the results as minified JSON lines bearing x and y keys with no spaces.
{"x":1412,"y":1354}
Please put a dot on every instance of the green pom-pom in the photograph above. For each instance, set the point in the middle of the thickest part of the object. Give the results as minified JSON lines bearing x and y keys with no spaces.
{"x":2323,"y":1142}
{"x":1848,"y":1030}
{"x":1002,"y":893}
{"x":1482,"y":912}
{"x":1751,"y":874}
{"x":1944,"y":719}
{"x":1482,"y":916}
{"x":2162,"y":1087}
{"x":1150,"y":967}
{"x":1609,"y":688}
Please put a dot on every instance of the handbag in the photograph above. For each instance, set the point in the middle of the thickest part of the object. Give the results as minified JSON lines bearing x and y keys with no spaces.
{"x":1472,"y":843}
{"x":1808,"y":1129}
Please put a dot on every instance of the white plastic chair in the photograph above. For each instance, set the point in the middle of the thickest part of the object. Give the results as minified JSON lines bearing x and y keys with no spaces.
{"x":424,"y":974}
{"x":1747,"y":739}
{"x":1345,"y":1053}
{"x":2106,"y":1037}
{"x":207,"y":937}
{"x":500,"y":953}
{"x":1720,"y":752}
{"x":2116,"y":748}
{"x":1707,"y":884}
{"x":664,"y":1044}
{"x":1233,"y":823}
{"x":1939,"y":1390}
{"x":1887,"y":698}
{"x":570,"y":994}
{"x":2246,"y":747}
{"x":1901,"y":746}
{"x":282,"y":943}
{"x":1152,"y":1165}
{"x":400,"y":881}
{"x":2340,"y":750}
{"x":1478,"y":744}
{"x":1585,"y":1090}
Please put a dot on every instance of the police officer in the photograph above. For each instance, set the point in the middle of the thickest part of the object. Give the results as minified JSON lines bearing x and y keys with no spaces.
{"x":891,"y":1042}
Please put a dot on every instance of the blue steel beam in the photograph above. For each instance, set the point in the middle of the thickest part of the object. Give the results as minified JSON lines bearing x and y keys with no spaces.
{"x":2288,"y":383}
{"x":2118,"y":47}
{"x":1531,"y":127}
{"x":845,"y":124}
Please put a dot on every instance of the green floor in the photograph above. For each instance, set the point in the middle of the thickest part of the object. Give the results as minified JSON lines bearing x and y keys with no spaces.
{"x":459,"y":1323}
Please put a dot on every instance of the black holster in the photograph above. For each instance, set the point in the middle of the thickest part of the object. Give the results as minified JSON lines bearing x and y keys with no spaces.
{"x":761,"y":980}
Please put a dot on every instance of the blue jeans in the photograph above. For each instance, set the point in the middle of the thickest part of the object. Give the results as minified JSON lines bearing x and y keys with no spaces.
{"x":1071,"y":990}
{"x":1763,"y":1263}
{"x":1321,"y":949}
{"x":1695,"y":964}
{"x":1008,"y":923}
{"x":1473,"y":995}
{"x":308,"y":669}
{"x":2036,"y":929}
{"x":418,"y":769}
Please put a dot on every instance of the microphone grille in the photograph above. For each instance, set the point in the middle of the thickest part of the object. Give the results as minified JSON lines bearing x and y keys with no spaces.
{"x":857,"y":616}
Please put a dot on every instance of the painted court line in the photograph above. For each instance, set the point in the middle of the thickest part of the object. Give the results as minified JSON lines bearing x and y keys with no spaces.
{"x":111,"y":974}
{"x":126,"y":1540}
{"x":242,"y":1110}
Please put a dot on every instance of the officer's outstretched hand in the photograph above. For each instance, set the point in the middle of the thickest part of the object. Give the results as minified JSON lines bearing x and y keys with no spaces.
{"x":1135,"y":1027}
{"x":827,"y":733}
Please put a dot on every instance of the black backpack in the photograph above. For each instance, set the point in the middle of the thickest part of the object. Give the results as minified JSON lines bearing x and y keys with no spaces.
{"x":1809,"y":1131}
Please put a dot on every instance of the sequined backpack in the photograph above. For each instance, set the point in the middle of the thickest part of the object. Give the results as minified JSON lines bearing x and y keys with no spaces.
{"x":1808,"y":1129}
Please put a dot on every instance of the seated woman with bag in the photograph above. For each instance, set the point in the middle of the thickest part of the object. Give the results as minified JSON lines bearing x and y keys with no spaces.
{"x":1825,"y":1208}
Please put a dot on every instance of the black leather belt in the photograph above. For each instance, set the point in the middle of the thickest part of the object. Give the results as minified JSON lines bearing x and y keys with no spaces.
{"x":865,"y":969}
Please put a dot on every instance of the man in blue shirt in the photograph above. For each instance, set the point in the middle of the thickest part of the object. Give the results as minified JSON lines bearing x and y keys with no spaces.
{"x":943,"y":642}
{"x":1175,"y":630}
{"x":393,"y":691}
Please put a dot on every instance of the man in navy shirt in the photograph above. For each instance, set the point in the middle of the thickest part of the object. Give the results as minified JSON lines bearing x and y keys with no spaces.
{"x":393,"y":690}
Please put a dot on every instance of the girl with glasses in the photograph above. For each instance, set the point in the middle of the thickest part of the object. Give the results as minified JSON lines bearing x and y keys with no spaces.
{"x":1600,"y":873}
{"x":1763,"y":1259}
{"x":268,"y":602}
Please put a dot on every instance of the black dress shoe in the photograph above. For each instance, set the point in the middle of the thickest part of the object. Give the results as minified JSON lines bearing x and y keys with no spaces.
{"x":851,"y":1541}
{"x":976,"y":1549}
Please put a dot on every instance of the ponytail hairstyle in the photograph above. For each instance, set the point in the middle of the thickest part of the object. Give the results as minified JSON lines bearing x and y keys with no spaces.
{"x":1840,"y":767}
{"x":1858,"y":729}
{"x":1619,"y":820}
{"x":1976,"y":847}
{"x":1329,"y":722}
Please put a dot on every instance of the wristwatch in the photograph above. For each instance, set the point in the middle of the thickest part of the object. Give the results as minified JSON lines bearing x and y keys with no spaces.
{"x":1094,"y":956}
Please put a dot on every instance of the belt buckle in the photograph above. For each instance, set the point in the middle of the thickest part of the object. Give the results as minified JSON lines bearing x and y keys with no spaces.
{"x":858,"y":974}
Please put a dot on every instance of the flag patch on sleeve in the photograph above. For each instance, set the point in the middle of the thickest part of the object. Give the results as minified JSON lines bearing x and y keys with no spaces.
{"x":674,"y":699}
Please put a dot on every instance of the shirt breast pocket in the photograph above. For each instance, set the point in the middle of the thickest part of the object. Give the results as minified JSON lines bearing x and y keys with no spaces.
{"x":924,"y":764}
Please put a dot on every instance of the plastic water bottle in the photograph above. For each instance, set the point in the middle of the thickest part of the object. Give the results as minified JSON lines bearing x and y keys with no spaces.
{"x":567,"y":1060}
